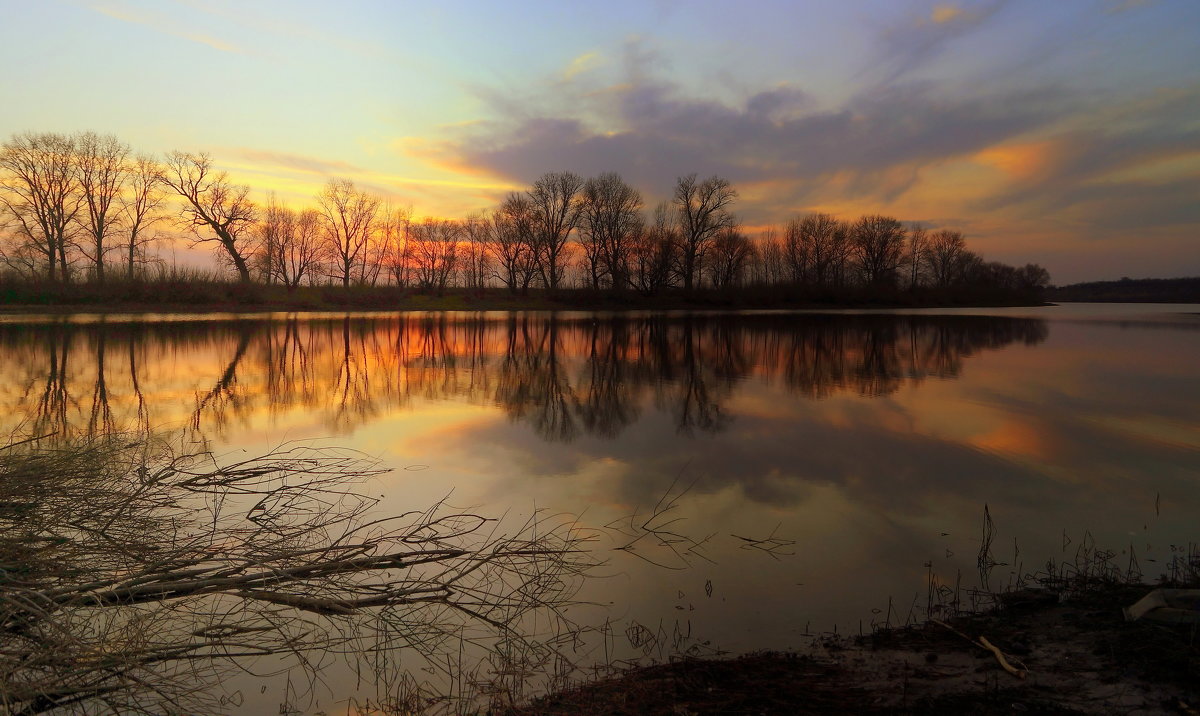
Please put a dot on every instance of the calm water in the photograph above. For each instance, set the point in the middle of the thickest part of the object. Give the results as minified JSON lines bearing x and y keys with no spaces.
{"x":824,"y":458}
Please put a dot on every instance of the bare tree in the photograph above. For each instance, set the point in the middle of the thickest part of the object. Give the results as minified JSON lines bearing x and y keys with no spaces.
{"x":375,"y":260}
{"x":654,"y":253}
{"x":476,"y":263}
{"x":349,"y":220}
{"x":512,"y":244}
{"x":1033,"y":278}
{"x":303,"y":257}
{"x":290,"y":245}
{"x":39,"y":193}
{"x":610,"y":217}
{"x":276,"y":226}
{"x":731,"y":251}
{"x":554,"y":209}
{"x":878,"y":244}
{"x":592,"y":243}
{"x":812,"y":247}
{"x":918,"y":240}
{"x":143,"y":204}
{"x":435,"y":252}
{"x":392,"y":234}
{"x":703,"y":211}
{"x":797,"y":247}
{"x":841,"y":253}
{"x":945,"y":258}
{"x":214,"y":204}
{"x":102,"y":162}
{"x":771,"y":266}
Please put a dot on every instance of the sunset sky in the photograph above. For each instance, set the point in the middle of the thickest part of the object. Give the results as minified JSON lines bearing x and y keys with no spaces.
{"x":1065,"y":132}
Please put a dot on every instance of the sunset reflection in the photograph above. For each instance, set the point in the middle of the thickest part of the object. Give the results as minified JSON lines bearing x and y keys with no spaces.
{"x":563,"y":376}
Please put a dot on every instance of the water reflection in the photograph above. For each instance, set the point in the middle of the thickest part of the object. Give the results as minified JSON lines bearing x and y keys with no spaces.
{"x":563,"y":376}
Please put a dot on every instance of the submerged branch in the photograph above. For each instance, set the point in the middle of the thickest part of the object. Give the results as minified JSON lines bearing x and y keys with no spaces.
{"x":133,"y":574}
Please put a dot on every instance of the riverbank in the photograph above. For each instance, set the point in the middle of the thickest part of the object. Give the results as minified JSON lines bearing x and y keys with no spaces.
{"x":1077,"y":656}
{"x":218,"y":297}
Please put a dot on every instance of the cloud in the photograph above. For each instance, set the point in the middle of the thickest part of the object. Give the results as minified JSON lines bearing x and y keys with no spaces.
{"x":945,"y":13}
{"x":297,"y":162}
{"x":1111,"y":172}
{"x":162,"y":23}
{"x":651,"y":131}
{"x":581,"y":64}
{"x":911,"y":45}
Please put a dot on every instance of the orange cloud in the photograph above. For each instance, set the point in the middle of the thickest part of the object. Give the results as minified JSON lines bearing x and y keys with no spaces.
{"x":1024,"y":160}
{"x":945,"y":13}
{"x":436,"y":154}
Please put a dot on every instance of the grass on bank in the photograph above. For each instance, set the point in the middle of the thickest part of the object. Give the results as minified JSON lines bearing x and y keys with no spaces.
{"x":195,"y":290}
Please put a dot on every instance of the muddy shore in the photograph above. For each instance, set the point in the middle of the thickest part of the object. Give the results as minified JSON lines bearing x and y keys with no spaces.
{"x":1076,"y":656}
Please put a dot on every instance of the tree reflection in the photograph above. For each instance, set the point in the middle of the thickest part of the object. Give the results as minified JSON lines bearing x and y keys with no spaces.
{"x":608,"y":403}
{"x":564,"y":376}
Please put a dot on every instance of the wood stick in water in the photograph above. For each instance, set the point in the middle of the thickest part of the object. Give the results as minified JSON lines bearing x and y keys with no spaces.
{"x":983,"y":643}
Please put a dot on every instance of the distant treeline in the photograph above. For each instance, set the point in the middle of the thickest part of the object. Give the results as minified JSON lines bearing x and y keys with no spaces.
{"x":1131,"y":290}
{"x":78,"y":209}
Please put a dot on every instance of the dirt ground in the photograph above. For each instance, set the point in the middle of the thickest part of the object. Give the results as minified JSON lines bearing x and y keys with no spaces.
{"x":1081,"y":657}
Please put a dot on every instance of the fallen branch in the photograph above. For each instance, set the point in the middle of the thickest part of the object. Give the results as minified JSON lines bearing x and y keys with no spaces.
{"x":983,"y":643}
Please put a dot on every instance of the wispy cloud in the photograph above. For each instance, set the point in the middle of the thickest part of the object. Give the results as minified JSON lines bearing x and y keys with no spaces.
{"x":159,"y":22}
{"x":1110,"y":171}
{"x":917,"y":41}
{"x":581,"y":64}
{"x":296,"y":162}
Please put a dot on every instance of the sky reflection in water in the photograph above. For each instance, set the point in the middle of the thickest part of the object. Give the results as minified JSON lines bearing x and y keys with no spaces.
{"x":857,"y":439}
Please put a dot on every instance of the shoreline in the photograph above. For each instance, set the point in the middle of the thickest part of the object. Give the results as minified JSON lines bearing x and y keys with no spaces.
{"x":461,"y":304}
{"x":1080,"y":654}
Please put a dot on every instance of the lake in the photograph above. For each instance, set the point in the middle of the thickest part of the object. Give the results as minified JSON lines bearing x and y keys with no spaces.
{"x":821,"y":468}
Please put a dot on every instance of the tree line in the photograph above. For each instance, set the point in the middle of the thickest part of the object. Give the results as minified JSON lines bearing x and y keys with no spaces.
{"x":77,"y":207}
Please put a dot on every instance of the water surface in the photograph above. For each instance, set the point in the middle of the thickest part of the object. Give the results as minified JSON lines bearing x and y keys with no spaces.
{"x":823,"y":460}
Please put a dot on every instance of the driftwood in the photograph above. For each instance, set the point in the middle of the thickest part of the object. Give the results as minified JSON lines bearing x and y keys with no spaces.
{"x":983,"y":643}
{"x":134,"y":576}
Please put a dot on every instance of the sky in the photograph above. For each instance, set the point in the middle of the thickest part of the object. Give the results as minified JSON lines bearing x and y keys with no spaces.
{"x":1065,"y":133}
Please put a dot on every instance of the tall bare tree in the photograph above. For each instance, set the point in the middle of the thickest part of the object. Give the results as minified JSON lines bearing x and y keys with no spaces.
{"x":512,"y":243}
{"x":918,"y":240}
{"x":730,"y":253}
{"x":435,"y":252}
{"x":349,"y":219}
{"x":703,"y":211}
{"x":102,"y":162}
{"x":475,"y":260}
{"x":878,"y":243}
{"x":290,"y":244}
{"x":811,"y":244}
{"x":945,"y":258}
{"x":555,"y":210}
{"x":213,"y":204}
{"x":772,"y":264}
{"x":39,"y":194}
{"x":797,"y":246}
{"x":392,"y":234}
{"x":142,"y":208}
{"x":610,"y":217}
{"x":654,"y":252}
